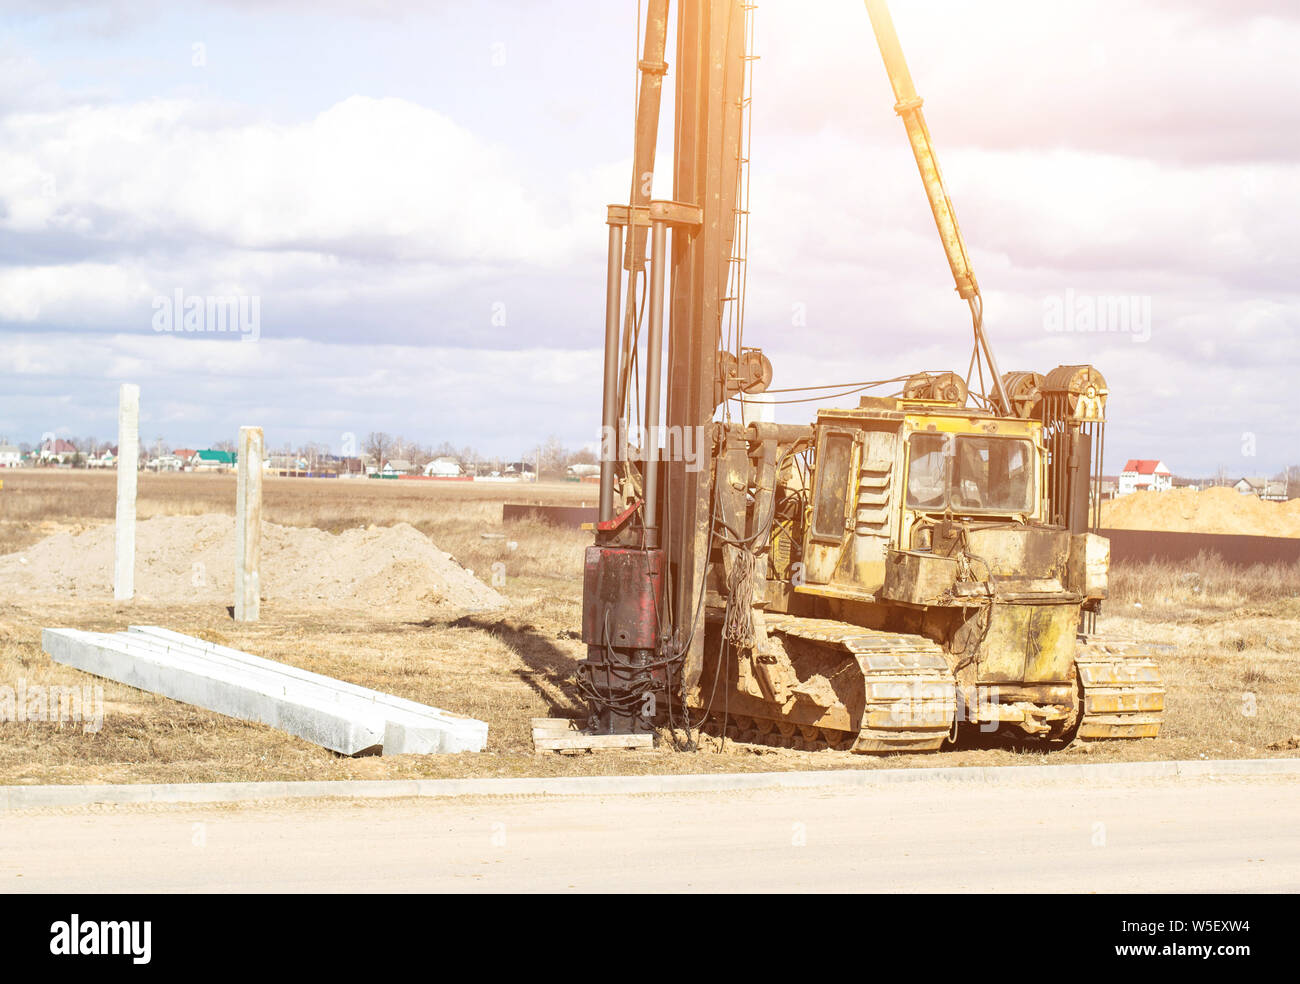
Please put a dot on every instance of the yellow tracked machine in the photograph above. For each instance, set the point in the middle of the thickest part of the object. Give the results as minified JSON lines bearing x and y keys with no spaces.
{"x":876,"y":579}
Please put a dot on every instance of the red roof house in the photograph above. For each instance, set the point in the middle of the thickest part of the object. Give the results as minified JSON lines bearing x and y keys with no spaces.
{"x":1145,"y":475}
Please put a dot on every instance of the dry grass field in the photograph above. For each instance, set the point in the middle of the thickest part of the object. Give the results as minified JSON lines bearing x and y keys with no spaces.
{"x":1233,"y":672}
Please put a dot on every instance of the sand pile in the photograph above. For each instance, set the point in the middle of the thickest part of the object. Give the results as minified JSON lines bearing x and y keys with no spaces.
{"x":1217,"y":510}
{"x":192,"y":559}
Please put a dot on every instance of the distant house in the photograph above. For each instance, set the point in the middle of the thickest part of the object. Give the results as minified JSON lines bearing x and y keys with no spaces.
{"x":210,"y":460}
{"x":1250,"y":486}
{"x":520,"y":469}
{"x":1107,"y":488}
{"x":285,"y":464}
{"x":10,"y":456}
{"x":1276,"y":490}
{"x":443,"y":468}
{"x":584,"y":470}
{"x":186,"y":455}
{"x":1268,"y":489}
{"x":106,"y":459}
{"x":396,"y":466}
{"x":167,"y":462}
{"x":56,"y":450}
{"x":1145,"y":475}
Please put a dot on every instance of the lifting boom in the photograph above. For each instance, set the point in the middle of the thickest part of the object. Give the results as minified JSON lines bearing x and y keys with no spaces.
{"x":908,"y":107}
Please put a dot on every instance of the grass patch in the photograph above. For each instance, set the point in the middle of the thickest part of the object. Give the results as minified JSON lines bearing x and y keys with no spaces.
{"x":1232,"y":674}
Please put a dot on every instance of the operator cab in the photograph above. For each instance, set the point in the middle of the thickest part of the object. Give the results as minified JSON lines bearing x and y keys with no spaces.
{"x":886,"y":472}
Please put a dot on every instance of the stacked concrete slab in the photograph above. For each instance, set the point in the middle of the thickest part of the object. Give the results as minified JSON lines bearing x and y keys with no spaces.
{"x":340,"y":716}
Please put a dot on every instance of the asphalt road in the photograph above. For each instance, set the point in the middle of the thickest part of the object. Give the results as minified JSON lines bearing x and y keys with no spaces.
{"x":1179,"y":835}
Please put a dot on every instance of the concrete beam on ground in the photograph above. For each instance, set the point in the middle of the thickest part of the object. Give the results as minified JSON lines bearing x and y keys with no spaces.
{"x":128,"y":464}
{"x":410,"y":727}
{"x":342,"y":717}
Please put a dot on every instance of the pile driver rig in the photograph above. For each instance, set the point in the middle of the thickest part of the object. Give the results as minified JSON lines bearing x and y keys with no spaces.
{"x":872,"y":580}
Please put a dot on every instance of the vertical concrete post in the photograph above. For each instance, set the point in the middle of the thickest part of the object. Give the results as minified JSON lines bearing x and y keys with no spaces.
{"x":248,"y":525}
{"x":128,"y":462}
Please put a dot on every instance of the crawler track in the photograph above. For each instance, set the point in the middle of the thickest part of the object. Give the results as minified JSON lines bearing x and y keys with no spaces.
{"x":911,"y":697}
{"x":1123,"y":696}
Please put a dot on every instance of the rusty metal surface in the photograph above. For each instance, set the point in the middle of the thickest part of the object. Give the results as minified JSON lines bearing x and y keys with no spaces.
{"x":1237,"y":549}
{"x":1030,"y":643}
{"x":622,"y":598}
{"x":707,"y":146}
{"x":571,"y":516}
{"x":649,"y":98}
{"x":1126,"y":546}
{"x":1025,"y":390}
{"x":911,"y":697}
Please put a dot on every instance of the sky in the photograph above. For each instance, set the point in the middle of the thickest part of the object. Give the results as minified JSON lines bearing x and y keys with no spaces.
{"x":414,"y":194}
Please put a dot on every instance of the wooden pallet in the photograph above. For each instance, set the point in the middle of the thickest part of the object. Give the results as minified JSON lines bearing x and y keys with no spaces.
{"x":563,"y":735}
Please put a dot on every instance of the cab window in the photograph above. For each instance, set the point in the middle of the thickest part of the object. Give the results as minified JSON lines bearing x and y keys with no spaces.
{"x":834,"y":464}
{"x":969,"y":473}
{"x":927,"y":475}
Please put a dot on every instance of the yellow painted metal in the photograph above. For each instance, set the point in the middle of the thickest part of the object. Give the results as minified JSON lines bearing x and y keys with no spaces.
{"x":1030,"y":669}
{"x":959,"y":423}
{"x":908,"y":108}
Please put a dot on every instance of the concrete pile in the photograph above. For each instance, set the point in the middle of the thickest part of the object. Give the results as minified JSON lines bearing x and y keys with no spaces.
{"x":339,"y":716}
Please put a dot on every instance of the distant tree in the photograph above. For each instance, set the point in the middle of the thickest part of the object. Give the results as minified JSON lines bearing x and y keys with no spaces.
{"x":379,"y":446}
{"x":225,"y":446}
{"x":419,"y":455}
{"x":312,"y":453}
{"x":551,"y":457}
{"x":402,"y":448}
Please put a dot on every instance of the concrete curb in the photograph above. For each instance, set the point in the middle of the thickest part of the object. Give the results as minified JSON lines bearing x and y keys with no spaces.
{"x":40,"y":797}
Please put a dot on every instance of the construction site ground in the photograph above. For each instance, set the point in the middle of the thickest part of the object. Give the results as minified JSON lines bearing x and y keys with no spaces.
{"x":1231,"y":670}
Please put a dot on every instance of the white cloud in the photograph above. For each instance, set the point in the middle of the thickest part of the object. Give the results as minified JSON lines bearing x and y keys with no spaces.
{"x":376,"y":177}
{"x":1109,"y":148}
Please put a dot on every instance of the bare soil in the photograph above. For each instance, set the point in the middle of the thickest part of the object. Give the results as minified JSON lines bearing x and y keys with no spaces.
{"x":1232,"y":672}
{"x":1216,"y":510}
{"x":189,"y":559}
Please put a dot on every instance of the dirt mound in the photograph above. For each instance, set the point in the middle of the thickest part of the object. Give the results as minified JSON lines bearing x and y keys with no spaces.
{"x":192,"y":559}
{"x":1216,"y":510}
